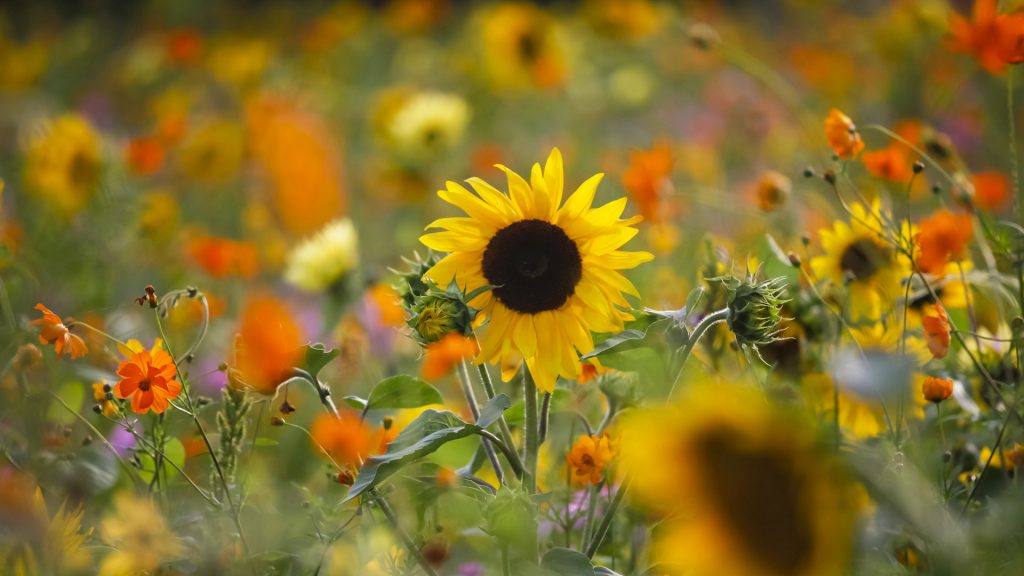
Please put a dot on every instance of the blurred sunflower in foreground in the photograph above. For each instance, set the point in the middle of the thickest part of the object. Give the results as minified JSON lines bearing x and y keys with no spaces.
{"x":139,"y":535}
{"x":62,"y":165}
{"x":555,"y":267}
{"x":745,"y":488}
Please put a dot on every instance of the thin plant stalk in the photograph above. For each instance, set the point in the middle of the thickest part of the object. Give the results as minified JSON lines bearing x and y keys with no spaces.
{"x":467,"y":390}
{"x":414,"y":551}
{"x":531,"y":442}
{"x":503,"y":429}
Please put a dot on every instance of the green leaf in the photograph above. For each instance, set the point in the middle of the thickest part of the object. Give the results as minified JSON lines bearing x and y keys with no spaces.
{"x":173,"y":454}
{"x":73,"y":394}
{"x":629,"y":338}
{"x":567,"y":563}
{"x":316,"y":356}
{"x":428,"y":432}
{"x":402,"y":391}
{"x":512,"y":519}
{"x":493,"y":410}
{"x":602,"y":571}
{"x":355,"y":402}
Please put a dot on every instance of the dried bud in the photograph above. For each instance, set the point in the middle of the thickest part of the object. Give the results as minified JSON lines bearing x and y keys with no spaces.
{"x":918,"y":167}
{"x":388,"y":422}
{"x":277,"y":421}
{"x":345,"y":478}
{"x":286,"y":408}
{"x":808,"y":172}
{"x":435,"y":551}
{"x":794,"y":259}
{"x":830,"y":177}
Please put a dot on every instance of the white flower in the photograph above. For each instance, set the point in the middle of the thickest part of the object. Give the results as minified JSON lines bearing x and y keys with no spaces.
{"x":320,"y":261}
{"x":429,"y":122}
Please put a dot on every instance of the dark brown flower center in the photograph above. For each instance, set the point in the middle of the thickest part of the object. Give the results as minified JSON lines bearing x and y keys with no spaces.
{"x":863,"y":258}
{"x":760,"y":495}
{"x":144,"y":385}
{"x":534,"y":265}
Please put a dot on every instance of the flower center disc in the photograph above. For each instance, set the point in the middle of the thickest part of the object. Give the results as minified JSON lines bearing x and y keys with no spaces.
{"x":534,"y":265}
{"x":863,"y":258}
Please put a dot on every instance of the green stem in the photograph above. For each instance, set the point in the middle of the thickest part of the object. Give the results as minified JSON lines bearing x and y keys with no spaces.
{"x":1011,"y":120}
{"x":467,"y":391}
{"x":532,"y":432}
{"x":402,"y":534}
{"x":606,"y":521}
{"x":503,"y":430}
{"x":698,"y":332}
{"x":508,"y":451}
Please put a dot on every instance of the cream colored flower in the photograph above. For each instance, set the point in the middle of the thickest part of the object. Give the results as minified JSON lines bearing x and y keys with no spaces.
{"x":429,"y":122}
{"x":320,"y":261}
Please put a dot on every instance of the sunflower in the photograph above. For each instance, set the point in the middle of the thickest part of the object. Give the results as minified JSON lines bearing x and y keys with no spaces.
{"x":744,"y":487}
{"x":554,"y":267}
{"x":860,"y":255}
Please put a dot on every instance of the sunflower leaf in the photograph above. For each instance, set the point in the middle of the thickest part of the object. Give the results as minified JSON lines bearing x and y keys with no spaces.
{"x":424,"y":435}
{"x":567,"y":562}
{"x":629,"y":338}
{"x":402,"y":391}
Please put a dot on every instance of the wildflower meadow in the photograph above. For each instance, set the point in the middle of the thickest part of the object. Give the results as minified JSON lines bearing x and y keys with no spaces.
{"x":447,"y":288}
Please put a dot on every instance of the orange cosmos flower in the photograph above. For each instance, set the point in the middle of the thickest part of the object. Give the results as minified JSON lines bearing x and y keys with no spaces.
{"x":386,"y":300}
{"x":145,"y":155}
{"x":54,"y":332}
{"x":942,"y":237}
{"x":268,"y":345}
{"x":647,"y":179}
{"x":936,"y":330}
{"x":184,"y":46}
{"x":147,"y":377}
{"x":936,"y":389}
{"x":348,"y":440}
{"x":442,"y":356}
{"x":994,"y":39}
{"x":890,"y":163}
{"x":991,"y":190}
{"x":842,"y":135}
{"x":771,"y":190}
{"x":223,"y":257}
{"x":588,"y":458}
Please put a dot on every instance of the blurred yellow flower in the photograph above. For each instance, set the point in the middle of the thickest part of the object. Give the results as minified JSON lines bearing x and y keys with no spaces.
{"x":859,"y":255}
{"x":21,"y":64}
{"x":746,"y":488}
{"x":212,"y":153}
{"x":139,"y":534}
{"x":428,"y":123}
{"x":63,"y":163}
{"x":322,"y":260}
{"x":521,"y":46}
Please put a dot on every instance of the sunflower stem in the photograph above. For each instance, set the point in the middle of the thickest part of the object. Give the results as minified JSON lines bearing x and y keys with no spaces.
{"x":474,"y":409}
{"x":402,"y":534}
{"x":698,"y":332}
{"x":503,"y":430}
{"x":532,"y":432}
{"x":545,"y":409}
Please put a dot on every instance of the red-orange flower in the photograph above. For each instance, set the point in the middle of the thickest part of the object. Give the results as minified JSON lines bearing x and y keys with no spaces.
{"x":995,"y":39}
{"x":936,"y":330}
{"x":647,"y":180}
{"x":991,"y":190}
{"x":223,"y":257}
{"x":147,"y":377}
{"x":145,"y":155}
{"x":842,"y":135}
{"x":54,"y":332}
{"x":890,"y":163}
{"x":348,"y":440}
{"x":943,"y":237}
{"x":442,"y":356}
{"x":589,"y":457}
{"x":936,"y":389}
{"x":268,"y":345}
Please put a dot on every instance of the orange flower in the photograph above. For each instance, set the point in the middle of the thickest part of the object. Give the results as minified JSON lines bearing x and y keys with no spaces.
{"x":184,"y":46}
{"x":647,"y":179}
{"x":223,"y":257}
{"x":943,"y":236}
{"x":348,"y":440}
{"x":442,"y":356}
{"x":268,"y":345}
{"x":889,"y":163}
{"x":842,"y":135}
{"x":386,"y":301}
{"x":771,"y":190}
{"x":936,"y":330}
{"x":991,"y":190}
{"x":936,"y":389}
{"x":145,"y":155}
{"x":994,"y":39}
{"x":147,"y":377}
{"x":588,"y":458}
{"x":54,"y":332}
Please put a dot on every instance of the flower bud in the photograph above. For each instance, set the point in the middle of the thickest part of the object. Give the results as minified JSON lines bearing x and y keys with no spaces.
{"x":755,"y":309}
{"x":937,"y":389}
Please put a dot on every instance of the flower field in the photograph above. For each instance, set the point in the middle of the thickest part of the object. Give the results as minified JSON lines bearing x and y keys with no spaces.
{"x":426,"y":287}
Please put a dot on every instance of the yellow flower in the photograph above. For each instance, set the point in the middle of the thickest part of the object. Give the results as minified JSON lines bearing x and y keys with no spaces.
{"x":555,"y":267}
{"x":99,"y":394}
{"x":521,"y":46}
{"x":859,"y":255}
{"x":62,"y":165}
{"x":213,"y":153}
{"x":321,"y":261}
{"x":745,"y":488}
{"x":589,"y":457}
{"x":140,"y":536}
{"x":428,"y":123}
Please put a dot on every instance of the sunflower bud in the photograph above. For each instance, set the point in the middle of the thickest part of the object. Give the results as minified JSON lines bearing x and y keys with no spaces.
{"x":755,"y":309}
{"x":437,"y":313}
{"x":411,"y":286}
